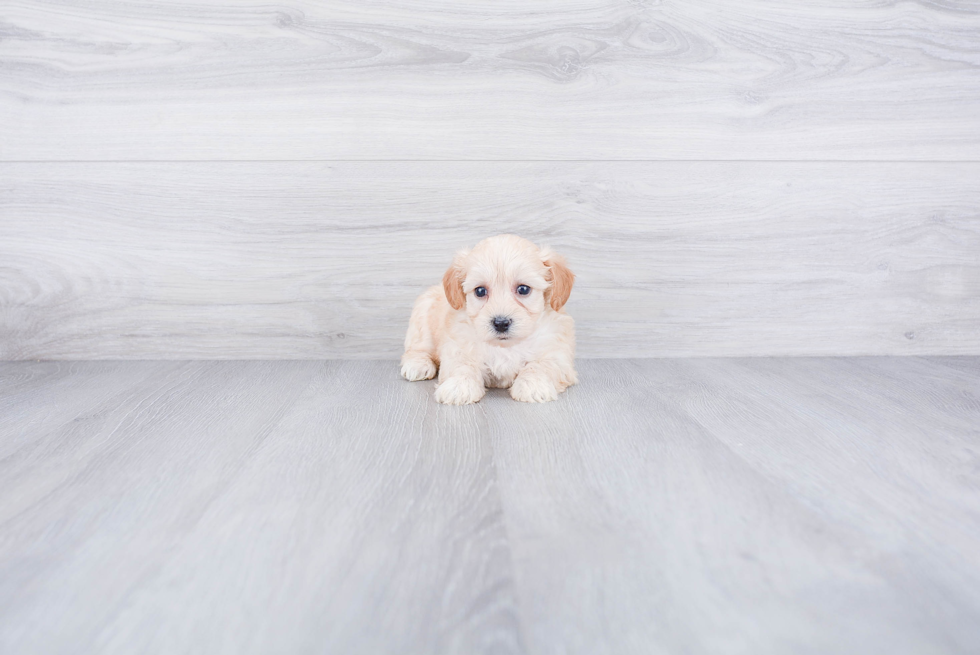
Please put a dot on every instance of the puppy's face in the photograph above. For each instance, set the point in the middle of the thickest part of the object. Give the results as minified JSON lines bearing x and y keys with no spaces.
{"x":505,"y":284}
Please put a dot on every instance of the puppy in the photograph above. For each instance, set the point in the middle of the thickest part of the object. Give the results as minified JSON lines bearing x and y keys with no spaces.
{"x":496,"y":321}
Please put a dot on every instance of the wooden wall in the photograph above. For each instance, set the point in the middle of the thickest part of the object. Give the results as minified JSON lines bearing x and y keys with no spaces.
{"x":234,"y":179}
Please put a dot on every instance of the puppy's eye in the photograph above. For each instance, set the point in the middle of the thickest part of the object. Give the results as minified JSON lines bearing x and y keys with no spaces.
{"x":523,"y":289}
{"x":480,"y":291}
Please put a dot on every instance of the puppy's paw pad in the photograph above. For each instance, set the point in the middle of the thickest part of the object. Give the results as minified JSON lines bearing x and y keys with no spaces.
{"x":459,"y":391}
{"x":418,"y":368}
{"x":533,"y":390}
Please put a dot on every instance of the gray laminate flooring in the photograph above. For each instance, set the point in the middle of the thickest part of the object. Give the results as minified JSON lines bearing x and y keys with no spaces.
{"x":662,"y":506}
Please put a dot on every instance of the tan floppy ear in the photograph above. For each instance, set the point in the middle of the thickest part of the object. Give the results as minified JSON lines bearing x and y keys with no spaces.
{"x":452,"y":283}
{"x":562,"y":278}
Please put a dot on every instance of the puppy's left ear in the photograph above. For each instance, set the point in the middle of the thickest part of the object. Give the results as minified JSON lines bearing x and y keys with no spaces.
{"x":562,"y":278}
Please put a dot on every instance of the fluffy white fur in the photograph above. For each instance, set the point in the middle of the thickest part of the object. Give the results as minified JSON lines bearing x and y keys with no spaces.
{"x":452,"y":329}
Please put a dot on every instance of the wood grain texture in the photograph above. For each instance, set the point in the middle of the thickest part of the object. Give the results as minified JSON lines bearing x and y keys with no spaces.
{"x":318,"y":260}
{"x":661,"y":506}
{"x":514,"y":79}
{"x":748,"y":506}
{"x":284,"y":490}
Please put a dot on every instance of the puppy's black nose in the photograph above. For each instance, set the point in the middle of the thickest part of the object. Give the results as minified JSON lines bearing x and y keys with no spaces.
{"x":501,"y":324}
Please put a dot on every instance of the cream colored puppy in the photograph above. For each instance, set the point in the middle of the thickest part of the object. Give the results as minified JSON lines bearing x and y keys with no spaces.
{"x":496,"y":321}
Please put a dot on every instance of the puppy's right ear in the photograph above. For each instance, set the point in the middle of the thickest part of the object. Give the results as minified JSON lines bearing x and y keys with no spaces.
{"x":452,"y":282}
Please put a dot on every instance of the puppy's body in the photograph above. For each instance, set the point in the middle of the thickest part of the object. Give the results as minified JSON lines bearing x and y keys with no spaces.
{"x":514,"y":336}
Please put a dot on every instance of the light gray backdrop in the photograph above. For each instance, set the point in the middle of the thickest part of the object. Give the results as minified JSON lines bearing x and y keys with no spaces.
{"x":246,"y":180}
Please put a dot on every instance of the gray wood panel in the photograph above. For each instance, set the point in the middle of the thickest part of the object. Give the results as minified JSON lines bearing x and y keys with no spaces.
{"x":661,"y":506}
{"x":323,"y":260}
{"x":513,"y":79}
{"x":748,"y":506}
{"x":284,"y":490}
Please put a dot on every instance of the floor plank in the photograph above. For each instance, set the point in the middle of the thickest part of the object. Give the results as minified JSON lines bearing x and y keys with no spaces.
{"x":285,"y":490}
{"x":662,"y":506}
{"x":515,"y":79}
{"x":756,"y":506}
{"x":312,"y":260}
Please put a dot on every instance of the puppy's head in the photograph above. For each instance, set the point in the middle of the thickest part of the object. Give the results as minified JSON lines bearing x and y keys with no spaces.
{"x":506,"y":284}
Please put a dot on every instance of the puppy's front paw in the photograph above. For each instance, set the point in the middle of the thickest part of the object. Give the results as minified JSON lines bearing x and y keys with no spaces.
{"x":533,"y":389}
{"x":459,"y":390}
{"x":418,"y":367}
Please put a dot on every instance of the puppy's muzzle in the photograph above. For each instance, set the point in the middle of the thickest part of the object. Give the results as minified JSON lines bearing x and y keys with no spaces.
{"x":501,"y":324}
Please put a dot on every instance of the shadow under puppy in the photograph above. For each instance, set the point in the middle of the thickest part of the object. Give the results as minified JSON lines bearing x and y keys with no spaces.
{"x":496,"y":321}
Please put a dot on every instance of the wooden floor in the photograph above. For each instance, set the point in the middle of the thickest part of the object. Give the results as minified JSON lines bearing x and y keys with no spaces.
{"x":662,"y":506}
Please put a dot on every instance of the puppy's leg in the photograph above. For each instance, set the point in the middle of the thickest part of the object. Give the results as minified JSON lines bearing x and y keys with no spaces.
{"x":460,"y":379}
{"x":542,"y":380}
{"x":417,"y":366}
{"x":417,"y":361}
